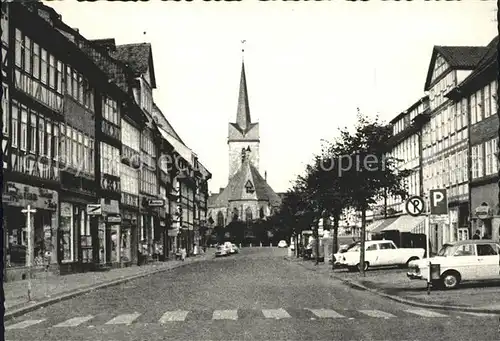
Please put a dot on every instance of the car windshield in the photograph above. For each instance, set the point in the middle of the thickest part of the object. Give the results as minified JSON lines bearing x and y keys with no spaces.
{"x":354,"y":248}
{"x":446,"y":251}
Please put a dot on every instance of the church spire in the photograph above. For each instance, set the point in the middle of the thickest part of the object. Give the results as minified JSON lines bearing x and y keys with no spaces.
{"x":243,"y":114}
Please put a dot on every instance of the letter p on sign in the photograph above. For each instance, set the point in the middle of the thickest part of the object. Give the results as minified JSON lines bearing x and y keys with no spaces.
{"x":439,"y":201}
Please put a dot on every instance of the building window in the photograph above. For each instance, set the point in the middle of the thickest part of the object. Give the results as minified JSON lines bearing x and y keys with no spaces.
{"x":487,"y":101}
{"x":5,"y":109}
{"x":48,"y":143}
{"x":480,"y":160}
{"x":14,"y":123}
{"x":473,"y":109}
{"x":491,"y":157}
{"x":55,"y":142}
{"x":494,"y":99}
{"x":41,"y":136}
{"x":110,"y":110}
{"x":33,"y":133}
{"x":129,"y":179}
{"x":130,"y":135}
{"x":110,"y":160}
{"x":24,"y":128}
{"x":27,"y":54}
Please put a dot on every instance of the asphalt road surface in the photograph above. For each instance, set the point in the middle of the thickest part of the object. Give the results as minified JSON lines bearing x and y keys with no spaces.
{"x":255,"y":295}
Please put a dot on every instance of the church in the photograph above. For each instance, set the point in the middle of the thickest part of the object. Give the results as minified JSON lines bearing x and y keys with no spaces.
{"x":247,"y":195}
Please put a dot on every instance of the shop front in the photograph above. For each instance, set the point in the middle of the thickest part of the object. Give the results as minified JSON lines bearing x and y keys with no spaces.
{"x":38,"y":239}
{"x":150,"y":231}
{"x":111,"y":234}
{"x":129,"y":236}
{"x":485,"y":211}
{"x":75,"y":237}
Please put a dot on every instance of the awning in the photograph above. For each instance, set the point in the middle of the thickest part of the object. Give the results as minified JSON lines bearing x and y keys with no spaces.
{"x":374,"y":225}
{"x":183,"y":151}
{"x":407,"y":223}
{"x":384,"y":223}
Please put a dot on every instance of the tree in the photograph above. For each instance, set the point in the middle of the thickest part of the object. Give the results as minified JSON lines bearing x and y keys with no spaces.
{"x":366,"y":173}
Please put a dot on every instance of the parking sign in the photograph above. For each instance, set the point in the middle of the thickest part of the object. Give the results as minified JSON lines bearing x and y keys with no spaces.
{"x":438,"y":201}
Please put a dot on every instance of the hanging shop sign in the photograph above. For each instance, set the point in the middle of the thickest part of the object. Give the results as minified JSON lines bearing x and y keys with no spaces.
{"x":483,"y":211}
{"x":20,"y":195}
{"x":114,"y":219}
{"x":156,"y":203}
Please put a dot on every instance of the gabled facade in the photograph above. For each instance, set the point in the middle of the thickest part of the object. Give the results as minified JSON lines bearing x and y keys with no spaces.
{"x":445,"y":138}
{"x":479,"y":95}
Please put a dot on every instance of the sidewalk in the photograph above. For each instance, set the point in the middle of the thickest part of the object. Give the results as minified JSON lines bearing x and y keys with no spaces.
{"x":392,"y":283}
{"x":46,"y":291}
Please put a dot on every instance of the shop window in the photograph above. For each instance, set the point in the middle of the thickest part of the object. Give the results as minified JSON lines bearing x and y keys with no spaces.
{"x":66,"y":232}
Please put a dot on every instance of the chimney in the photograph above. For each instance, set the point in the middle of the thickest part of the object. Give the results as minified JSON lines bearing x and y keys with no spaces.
{"x":265,"y":176}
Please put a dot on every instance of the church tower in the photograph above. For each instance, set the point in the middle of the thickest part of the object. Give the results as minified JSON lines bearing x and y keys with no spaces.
{"x":243,"y":135}
{"x":247,"y":196}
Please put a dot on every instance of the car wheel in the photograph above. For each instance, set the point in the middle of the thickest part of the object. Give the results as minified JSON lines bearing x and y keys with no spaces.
{"x":365,"y":267}
{"x":407,"y":265}
{"x":450,"y":280}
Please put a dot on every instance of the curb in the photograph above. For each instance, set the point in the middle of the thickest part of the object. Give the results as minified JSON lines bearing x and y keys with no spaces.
{"x":414,"y":303}
{"x":63,"y":297}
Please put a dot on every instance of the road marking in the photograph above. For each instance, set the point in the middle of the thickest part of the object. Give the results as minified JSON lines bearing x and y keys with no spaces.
{"x":425,"y":313}
{"x":75,"y":321}
{"x":24,"y":324}
{"x":480,"y":314}
{"x":376,"y":313}
{"x":174,"y":316}
{"x":225,"y":315}
{"x":325,"y":313}
{"x":275,"y":313}
{"x":124,"y":319}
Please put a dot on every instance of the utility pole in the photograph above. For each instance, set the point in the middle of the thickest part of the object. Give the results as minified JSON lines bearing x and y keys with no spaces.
{"x":316,"y":232}
{"x":362,"y":251}
{"x":28,"y":211}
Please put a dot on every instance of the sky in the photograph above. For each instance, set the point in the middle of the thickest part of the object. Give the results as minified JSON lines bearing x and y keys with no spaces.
{"x":309,"y":65}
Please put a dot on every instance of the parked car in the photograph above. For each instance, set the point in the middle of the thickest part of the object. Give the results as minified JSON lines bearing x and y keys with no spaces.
{"x":342,"y":249}
{"x":467,"y":260}
{"x":379,"y":253}
{"x":234,"y":249}
{"x":282,"y":243}
{"x":222,"y":251}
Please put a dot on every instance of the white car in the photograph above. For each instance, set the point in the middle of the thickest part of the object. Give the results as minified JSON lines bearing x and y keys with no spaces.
{"x":222,"y":251}
{"x":466,"y":260}
{"x":282,"y":243}
{"x":234,"y":249}
{"x":378,"y":253}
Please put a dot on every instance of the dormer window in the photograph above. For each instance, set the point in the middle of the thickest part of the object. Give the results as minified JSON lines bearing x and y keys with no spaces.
{"x":249,"y":187}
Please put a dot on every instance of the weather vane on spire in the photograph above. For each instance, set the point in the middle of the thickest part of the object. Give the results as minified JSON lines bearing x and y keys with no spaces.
{"x":243,"y":48}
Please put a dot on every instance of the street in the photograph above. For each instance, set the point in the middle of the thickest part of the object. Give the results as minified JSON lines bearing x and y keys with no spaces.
{"x":254,"y":295}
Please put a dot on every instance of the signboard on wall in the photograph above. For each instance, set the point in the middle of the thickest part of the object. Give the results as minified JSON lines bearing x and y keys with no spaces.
{"x":21,"y":195}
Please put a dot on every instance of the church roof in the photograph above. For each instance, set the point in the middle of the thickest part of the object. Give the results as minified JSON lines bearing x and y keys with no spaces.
{"x":243,"y":119}
{"x":236,"y":188}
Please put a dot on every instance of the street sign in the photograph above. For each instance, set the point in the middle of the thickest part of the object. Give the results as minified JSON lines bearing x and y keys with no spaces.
{"x":439,"y":219}
{"x":415,"y":206}
{"x":156,"y":203}
{"x":438,"y":201}
{"x":94,"y":209}
{"x":114,"y":219}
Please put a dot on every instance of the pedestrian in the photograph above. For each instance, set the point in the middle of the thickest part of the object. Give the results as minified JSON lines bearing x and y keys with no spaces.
{"x":183,"y":254}
{"x":477,"y":235}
